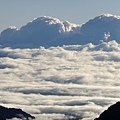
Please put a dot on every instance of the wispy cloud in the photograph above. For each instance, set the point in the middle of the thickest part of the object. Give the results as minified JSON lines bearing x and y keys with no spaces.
{"x":61,"y":82}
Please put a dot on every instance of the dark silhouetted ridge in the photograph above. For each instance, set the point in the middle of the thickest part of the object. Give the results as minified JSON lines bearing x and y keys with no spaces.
{"x":9,"y":113}
{"x":112,"y":113}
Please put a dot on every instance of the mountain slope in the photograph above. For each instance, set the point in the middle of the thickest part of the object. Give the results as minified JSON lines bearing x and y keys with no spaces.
{"x":9,"y":113}
{"x":112,"y":113}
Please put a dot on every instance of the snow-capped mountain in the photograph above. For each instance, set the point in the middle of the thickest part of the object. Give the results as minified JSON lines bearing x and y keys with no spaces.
{"x":47,"y":31}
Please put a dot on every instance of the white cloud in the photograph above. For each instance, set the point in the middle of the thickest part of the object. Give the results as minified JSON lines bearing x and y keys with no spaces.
{"x":61,"y":82}
{"x":48,"y":31}
{"x":43,"y":31}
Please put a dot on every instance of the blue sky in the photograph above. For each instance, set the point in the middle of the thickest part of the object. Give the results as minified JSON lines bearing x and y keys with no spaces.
{"x":19,"y":12}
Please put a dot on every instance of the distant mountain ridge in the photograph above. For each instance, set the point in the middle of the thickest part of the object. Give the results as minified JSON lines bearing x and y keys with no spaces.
{"x":47,"y":31}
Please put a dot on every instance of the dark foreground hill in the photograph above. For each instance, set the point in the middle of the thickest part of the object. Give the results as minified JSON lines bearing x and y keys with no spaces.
{"x":112,"y":113}
{"x":9,"y":113}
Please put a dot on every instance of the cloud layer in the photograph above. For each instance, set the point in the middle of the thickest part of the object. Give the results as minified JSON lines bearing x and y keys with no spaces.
{"x":47,"y":31}
{"x":43,"y":31}
{"x":74,"y":81}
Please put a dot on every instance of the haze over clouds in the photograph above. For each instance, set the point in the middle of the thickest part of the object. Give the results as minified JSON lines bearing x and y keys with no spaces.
{"x":74,"y":81}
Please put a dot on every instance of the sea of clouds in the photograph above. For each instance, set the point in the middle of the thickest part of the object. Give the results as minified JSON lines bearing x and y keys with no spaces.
{"x":61,"y":83}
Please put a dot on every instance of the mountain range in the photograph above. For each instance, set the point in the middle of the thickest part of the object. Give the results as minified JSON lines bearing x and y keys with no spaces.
{"x":47,"y":31}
